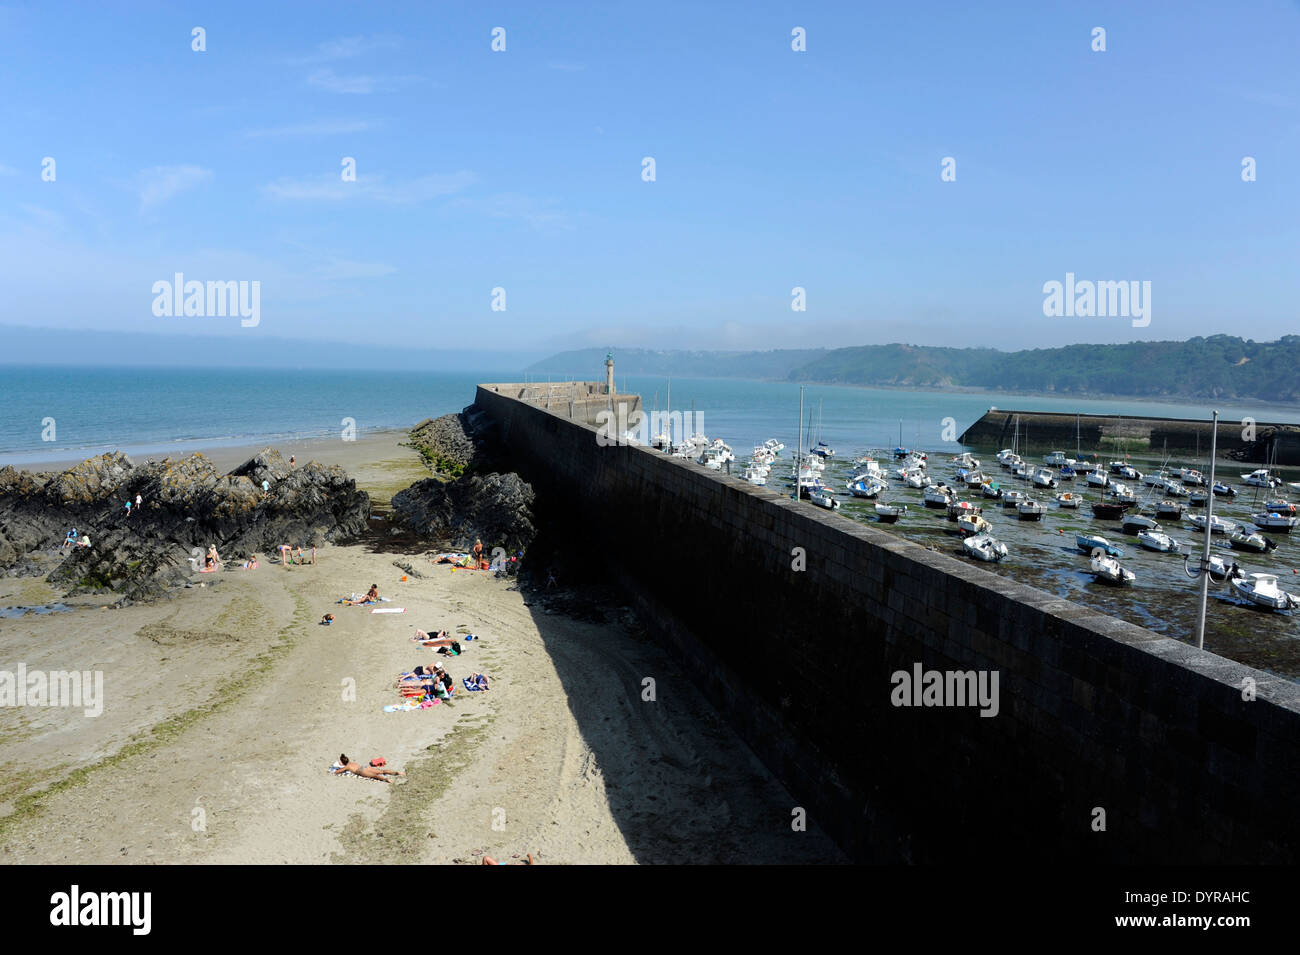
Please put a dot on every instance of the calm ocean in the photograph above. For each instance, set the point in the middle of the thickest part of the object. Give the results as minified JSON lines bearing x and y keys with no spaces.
{"x":152,"y":410}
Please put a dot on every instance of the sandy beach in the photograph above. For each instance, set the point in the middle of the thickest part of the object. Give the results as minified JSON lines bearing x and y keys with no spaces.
{"x":225,"y":706}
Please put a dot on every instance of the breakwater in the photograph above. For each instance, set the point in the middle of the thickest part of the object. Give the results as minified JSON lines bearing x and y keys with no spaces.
{"x":1247,"y":440}
{"x":1110,"y":743}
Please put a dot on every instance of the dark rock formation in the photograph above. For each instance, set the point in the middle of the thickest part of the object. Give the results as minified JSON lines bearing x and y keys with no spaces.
{"x":187,"y":506}
{"x":495,"y":508}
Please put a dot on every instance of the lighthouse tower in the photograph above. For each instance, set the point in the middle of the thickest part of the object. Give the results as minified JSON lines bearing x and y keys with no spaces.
{"x":609,"y":373}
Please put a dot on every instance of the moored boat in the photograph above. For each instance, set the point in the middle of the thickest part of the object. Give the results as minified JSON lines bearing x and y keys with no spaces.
{"x":1030,"y":510}
{"x":1109,"y":570}
{"x":1090,"y":542}
{"x":890,"y":513}
{"x":1136,"y":523}
{"x":1245,"y":539}
{"x":1272,"y":521}
{"x":1109,"y":510}
{"x":1218,"y":525}
{"x":1158,"y":541}
{"x":1263,"y":591}
{"x":985,"y":547}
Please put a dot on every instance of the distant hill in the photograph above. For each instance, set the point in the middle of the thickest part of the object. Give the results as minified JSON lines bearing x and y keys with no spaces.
{"x":589,"y":363}
{"x":1221,"y":366}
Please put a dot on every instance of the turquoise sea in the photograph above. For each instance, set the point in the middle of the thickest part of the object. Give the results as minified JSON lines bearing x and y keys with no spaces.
{"x":165,"y":410}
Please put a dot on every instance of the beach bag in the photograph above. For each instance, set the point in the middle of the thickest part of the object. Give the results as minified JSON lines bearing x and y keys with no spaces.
{"x":378,"y":761}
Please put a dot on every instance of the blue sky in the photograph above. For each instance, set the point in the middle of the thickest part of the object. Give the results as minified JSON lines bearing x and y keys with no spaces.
{"x":775,"y":169}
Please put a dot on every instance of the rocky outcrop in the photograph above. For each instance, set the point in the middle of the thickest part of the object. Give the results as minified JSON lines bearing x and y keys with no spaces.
{"x":447,"y":443}
{"x":187,"y":505}
{"x":494,"y":508}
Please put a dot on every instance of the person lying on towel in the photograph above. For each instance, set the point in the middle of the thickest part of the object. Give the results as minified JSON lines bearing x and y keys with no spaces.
{"x":369,"y":772}
{"x":440,"y":639}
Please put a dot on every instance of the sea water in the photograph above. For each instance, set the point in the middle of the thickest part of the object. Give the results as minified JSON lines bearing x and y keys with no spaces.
{"x":63,"y":413}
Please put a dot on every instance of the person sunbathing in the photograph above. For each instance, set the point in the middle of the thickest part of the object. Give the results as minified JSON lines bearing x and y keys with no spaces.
{"x":372,"y":594}
{"x":440,"y":639}
{"x":479,"y":680}
{"x":488,"y":860}
{"x":368,"y":772}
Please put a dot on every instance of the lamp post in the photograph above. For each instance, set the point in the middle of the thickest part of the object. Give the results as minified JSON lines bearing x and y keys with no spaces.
{"x":1204,"y":569}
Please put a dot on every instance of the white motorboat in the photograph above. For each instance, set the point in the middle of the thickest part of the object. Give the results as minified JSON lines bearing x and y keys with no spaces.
{"x":869,"y":467}
{"x":889,"y":513}
{"x":1279,"y":506}
{"x":1191,"y":476}
{"x":986,"y":548}
{"x":1218,"y":525}
{"x":1023,"y":471}
{"x":1223,"y":489}
{"x":1043,"y":477}
{"x":866,"y":487}
{"x":1263,"y":591}
{"x":976,"y":479}
{"x":1158,"y":541}
{"x":1013,"y":498}
{"x":1198,"y":498}
{"x":822,"y":497}
{"x":1009,"y":459}
{"x":1173,"y":488}
{"x":917,"y":479}
{"x":1125,"y":470}
{"x":1120,"y":491}
{"x":774,"y":446}
{"x":938,"y":495}
{"x":1136,"y":523}
{"x":1056,"y":458}
{"x":989,"y":489}
{"x":1108,"y":570}
{"x":966,"y":460}
{"x":1030,"y":510}
{"x":1091,"y":542}
{"x":1069,"y":499}
{"x":1272,"y":521}
{"x":756,"y":475}
{"x":1261,"y":477}
{"x":972,"y":524}
{"x":1097,"y":478}
{"x":1243,"y":538}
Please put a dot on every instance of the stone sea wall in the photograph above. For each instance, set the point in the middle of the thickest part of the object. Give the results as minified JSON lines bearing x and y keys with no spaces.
{"x":1110,"y":743}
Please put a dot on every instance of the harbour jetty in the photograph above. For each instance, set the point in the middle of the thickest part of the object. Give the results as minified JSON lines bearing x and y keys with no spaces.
{"x":1258,"y":441}
{"x":919,"y":708}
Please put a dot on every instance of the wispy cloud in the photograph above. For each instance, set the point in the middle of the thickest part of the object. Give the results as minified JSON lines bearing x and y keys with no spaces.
{"x":362,"y":84}
{"x":345,"y":48}
{"x":324,"y":128}
{"x":160,"y":183}
{"x":377,"y":188}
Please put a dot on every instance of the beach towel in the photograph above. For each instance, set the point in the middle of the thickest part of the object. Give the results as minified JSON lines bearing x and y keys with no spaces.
{"x":410,"y":705}
{"x":389,"y":610}
{"x":471,"y":686}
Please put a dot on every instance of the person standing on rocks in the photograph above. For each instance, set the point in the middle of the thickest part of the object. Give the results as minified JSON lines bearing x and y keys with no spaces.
{"x":138,"y":502}
{"x":128,"y":509}
{"x":292,"y":460}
